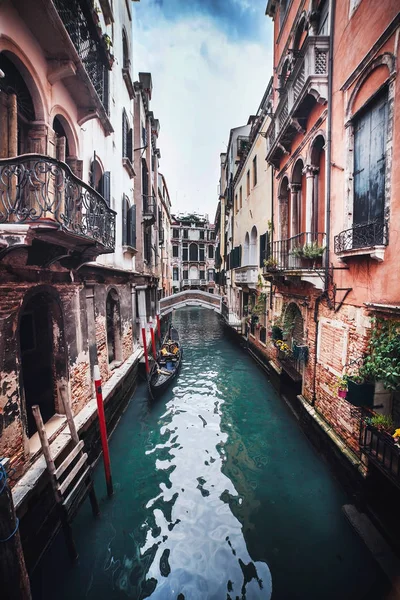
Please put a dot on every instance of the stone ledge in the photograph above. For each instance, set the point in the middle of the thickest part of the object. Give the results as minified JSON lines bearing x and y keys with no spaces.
{"x":25,"y":487}
{"x":330,"y":432}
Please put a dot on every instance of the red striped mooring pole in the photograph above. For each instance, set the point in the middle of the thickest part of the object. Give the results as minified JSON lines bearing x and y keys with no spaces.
{"x":158,"y":327}
{"x":103,"y":430}
{"x":153,"y":339}
{"x":146,"y":357}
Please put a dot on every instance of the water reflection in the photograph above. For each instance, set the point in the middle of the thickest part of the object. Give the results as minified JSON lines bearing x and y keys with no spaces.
{"x":216,"y":488}
{"x":191,"y":543}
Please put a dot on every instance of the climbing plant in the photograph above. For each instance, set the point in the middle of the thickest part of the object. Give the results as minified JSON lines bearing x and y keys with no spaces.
{"x":382,"y":359}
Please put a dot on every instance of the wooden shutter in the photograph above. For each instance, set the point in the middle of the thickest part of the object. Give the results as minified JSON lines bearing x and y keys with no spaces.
{"x":124,"y":221}
{"x":132,"y":226}
{"x":107,"y":187}
{"x":370,"y":163}
{"x":129,"y":145}
{"x":263,"y":242}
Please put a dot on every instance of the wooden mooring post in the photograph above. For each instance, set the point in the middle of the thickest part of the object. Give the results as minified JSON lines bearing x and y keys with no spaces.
{"x":14,"y":580}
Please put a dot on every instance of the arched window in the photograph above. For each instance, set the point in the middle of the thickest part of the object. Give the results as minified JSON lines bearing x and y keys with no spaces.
{"x":14,"y":89}
{"x":299,"y":35}
{"x":193,"y":252}
{"x":253,"y":247}
{"x":298,"y":195}
{"x":246,"y":246}
{"x":113,"y":323}
{"x":284,"y":209}
{"x":61,"y":140}
{"x":100,"y":180}
{"x":318,"y":186}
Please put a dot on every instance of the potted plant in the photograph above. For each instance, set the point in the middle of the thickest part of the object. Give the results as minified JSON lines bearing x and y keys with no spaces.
{"x":360,"y":390}
{"x":383,"y":423}
{"x":271,"y":264}
{"x":313,"y":252}
{"x":341,"y":386}
{"x":382,"y":360}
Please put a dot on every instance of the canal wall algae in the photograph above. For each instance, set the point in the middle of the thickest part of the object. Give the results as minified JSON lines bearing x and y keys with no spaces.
{"x":218,"y":495}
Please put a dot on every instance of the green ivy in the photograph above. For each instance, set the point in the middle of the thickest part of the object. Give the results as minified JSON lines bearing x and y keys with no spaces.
{"x":382,"y":360}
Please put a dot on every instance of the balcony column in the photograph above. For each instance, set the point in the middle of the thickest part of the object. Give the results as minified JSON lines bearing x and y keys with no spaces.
{"x":310,"y":171}
{"x":295,"y":209}
{"x":37,"y":139}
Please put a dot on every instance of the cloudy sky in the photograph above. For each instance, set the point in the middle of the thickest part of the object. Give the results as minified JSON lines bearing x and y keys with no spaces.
{"x":211,"y":61}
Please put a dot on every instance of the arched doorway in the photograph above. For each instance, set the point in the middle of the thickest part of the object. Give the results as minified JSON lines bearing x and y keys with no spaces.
{"x":113,"y":323}
{"x":17,"y":104}
{"x":43,"y":356}
{"x":284,"y":213}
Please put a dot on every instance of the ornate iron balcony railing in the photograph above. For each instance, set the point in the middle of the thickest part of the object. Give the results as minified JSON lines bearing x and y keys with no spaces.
{"x":381,"y":450}
{"x":300,"y":252}
{"x":366,"y":235}
{"x":40,"y":190}
{"x":87,"y":44}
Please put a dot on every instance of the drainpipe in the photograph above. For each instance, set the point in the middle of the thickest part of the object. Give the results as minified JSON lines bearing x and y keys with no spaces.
{"x":332,"y":6}
{"x":272,"y":227}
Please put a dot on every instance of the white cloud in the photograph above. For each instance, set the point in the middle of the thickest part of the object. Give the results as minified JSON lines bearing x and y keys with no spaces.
{"x":203,"y":85}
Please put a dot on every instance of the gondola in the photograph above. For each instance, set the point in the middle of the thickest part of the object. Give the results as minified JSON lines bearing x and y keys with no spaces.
{"x":166,"y":367}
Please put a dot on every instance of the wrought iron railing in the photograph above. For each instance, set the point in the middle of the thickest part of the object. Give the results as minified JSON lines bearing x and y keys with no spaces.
{"x":366,"y":235}
{"x":87,"y":44}
{"x":300,"y":252}
{"x":37,"y":189}
{"x":381,"y":450}
{"x":312,"y":65}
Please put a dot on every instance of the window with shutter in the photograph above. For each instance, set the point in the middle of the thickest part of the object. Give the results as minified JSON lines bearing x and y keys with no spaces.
{"x":107,"y":187}
{"x":125,"y":209}
{"x":263,"y":245}
{"x":132,"y":226}
{"x":211,"y":251}
{"x":129,"y":145}
{"x":369,"y":167}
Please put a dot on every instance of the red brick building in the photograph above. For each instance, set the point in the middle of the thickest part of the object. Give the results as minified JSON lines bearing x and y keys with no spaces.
{"x":332,"y":261}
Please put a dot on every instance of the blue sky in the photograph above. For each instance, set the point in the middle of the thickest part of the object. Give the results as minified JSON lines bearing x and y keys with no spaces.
{"x":211,"y":61}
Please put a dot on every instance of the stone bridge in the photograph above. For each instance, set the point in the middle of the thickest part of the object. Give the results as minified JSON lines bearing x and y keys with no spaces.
{"x":190,"y":298}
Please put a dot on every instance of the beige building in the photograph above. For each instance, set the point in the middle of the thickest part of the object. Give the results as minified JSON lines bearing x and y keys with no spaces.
{"x":250,"y":224}
{"x":164,"y":239}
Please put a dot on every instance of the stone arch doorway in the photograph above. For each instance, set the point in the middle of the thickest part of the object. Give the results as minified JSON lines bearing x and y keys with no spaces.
{"x":294,"y":324}
{"x":113,"y":323}
{"x":43,"y":356}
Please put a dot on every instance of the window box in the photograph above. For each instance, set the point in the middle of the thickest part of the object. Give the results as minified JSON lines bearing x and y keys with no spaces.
{"x":360,"y":394}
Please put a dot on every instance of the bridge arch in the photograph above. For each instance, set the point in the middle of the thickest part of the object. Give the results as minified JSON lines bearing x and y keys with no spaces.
{"x":190,"y":298}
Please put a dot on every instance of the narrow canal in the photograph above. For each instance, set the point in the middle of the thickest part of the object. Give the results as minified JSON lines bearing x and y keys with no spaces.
{"x":219,"y":496}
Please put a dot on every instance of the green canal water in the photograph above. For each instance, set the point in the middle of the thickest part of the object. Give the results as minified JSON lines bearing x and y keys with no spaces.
{"x":218,"y":496}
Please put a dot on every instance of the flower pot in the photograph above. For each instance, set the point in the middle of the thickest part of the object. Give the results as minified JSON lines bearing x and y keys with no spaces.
{"x":342,"y":393}
{"x":361,"y":394}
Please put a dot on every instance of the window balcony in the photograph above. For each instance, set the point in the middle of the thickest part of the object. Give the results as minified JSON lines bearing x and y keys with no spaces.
{"x":41,"y":200}
{"x":246,"y":276}
{"x":149,"y":210}
{"x":76,"y":51}
{"x":307,"y":84}
{"x":381,"y":451}
{"x":301,"y":255}
{"x":367,"y":239}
